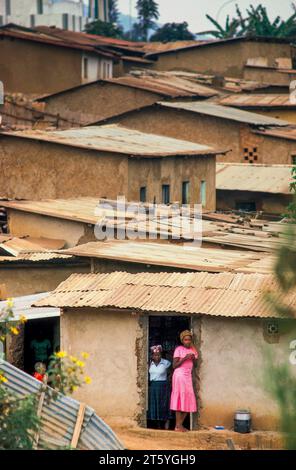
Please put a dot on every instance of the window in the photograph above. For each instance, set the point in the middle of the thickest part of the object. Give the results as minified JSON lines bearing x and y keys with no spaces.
{"x":143,"y":194}
{"x":85,"y":67}
{"x":65,"y":18}
{"x":80,"y":23}
{"x":32,"y":21}
{"x":293,"y":159}
{"x":106,"y":12}
{"x":1,"y":20}
{"x":185,"y":192}
{"x":165,"y":193}
{"x":203,"y":193}
{"x":39,"y":7}
{"x":251,"y":154}
{"x":73,"y":23}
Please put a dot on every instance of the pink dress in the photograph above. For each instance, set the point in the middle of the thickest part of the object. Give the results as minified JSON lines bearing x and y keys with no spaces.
{"x":183,"y":397}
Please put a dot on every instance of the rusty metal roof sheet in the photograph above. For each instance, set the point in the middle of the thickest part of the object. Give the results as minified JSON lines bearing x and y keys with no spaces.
{"x":59,"y":417}
{"x":16,"y":245}
{"x":274,"y":179}
{"x":288,"y":133}
{"x":225,"y":112}
{"x":43,"y":257}
{"x":258,"y":101}
{"x":165,"y":84}
{"x":180,"y":257}
{"x":225,"y":294}
{"x":119,"y":140}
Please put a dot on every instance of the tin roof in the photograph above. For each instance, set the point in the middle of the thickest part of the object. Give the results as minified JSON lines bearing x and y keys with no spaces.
{"x":59,"y":417}
{"x":46,"y":37}
{"x":176,"y":256}
{"x":119,"y":140}
{"x":288,"y":133}
{"x":225,"y":294}
{"x":258,"y":101}
{"x":42,"y":257}
{"x":17,"y":245}
{"x":23,"y":306}
{"x":215,"y":42}
{"x":224,"y":112}
{"x":274,"y":179}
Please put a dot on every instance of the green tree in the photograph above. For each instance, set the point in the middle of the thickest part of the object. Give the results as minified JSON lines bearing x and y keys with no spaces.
{"x":147,"y":15}
{"x":103,"y":28}
{"x":173,"y":32}
{"x":230,"y":30}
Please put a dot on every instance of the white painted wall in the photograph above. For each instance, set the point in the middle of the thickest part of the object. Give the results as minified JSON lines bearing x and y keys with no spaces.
{"x":21,"y":12}
{"x":93,"y":68}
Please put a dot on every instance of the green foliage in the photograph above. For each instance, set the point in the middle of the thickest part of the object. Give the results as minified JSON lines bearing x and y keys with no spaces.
{"x":291,"y":210}
{"x":173,"y":32}
{"x":255,"y":23}
{"x":147,"y":15}
{"x":103,"y":28}
{"x":18,"y":420}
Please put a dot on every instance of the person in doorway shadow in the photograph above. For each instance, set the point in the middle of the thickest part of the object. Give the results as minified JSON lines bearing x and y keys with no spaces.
{"x":159,"y":392}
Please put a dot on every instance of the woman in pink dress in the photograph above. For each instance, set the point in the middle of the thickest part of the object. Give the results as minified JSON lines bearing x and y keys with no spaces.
{"x":183,"y":399}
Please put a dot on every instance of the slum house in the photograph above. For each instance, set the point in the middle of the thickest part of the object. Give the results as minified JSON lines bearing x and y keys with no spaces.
{"x":228,"y":317}
{"x":27,"y":54}
{"x":110,"y":161}
{"x":226,"y":57}
{"x":102,"y":99}
{"x":242,"y":132}
{"x":278,"y":106}
{"x":264,"y":188}
{"x":129,"y":54}
{"x":282,"y":73}
{"x":29,"y":265}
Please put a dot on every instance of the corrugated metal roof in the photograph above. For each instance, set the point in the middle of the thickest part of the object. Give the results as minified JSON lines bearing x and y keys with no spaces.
{"x":171,"y":255}
{"x":23,"y":306}
{"x":164,"y":84}
{"x":225,"y":294}
{"x":58,"y":417}
{"x":274,"y":179}
{"x":120,"y":140}
{"x":258,"y":101}
{"x":36,"y":258}
{"x":17,"y":245}
{"x":47,"y":37}
{"x":288,"y":133}
{"x":225,"y":112}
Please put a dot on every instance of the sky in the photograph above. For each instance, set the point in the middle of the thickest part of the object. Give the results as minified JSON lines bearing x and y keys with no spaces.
{"x":194,"y":11}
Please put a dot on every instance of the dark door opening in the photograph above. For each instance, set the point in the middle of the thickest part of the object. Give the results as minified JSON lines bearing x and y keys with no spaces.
{"x":165,"y":330}
{"x":42,"y":337}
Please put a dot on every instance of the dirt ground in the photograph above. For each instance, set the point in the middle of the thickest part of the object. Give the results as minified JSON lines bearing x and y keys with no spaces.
{"x":209,"y":439}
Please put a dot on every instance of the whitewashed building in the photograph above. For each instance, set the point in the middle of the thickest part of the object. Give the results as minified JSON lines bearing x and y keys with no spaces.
{"x":66,"y":14}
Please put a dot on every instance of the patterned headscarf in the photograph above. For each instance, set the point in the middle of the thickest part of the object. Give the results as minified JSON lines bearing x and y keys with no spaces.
{"x":185,"y":333}
{"x":156,"y":349}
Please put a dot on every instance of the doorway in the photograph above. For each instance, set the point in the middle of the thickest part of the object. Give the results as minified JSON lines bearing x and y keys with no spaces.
{"x":40,"y":330}
{"x":165,"y":330}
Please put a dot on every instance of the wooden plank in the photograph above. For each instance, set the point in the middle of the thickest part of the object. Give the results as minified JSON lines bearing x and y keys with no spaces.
{"x":78,"y":425}
{"x":39,"y":412}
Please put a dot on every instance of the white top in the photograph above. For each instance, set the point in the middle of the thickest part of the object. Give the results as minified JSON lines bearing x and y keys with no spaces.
{"x":159,"y":372}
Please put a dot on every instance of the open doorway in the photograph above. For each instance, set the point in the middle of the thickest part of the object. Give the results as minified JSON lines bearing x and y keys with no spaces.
{"x":42,"y":338}
{"x":165,"y":330}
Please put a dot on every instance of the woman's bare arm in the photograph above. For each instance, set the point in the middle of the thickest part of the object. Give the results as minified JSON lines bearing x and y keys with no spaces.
{"x":177,"y":361}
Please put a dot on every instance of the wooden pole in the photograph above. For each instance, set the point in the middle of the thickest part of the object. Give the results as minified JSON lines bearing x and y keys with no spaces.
{"x":78,"y":425}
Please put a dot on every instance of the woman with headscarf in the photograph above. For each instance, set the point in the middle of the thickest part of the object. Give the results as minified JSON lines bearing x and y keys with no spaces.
{"x":158,"y":396}
{"x":183,"y":399}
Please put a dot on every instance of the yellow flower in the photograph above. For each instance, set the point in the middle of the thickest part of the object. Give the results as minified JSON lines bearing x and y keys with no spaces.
{"x":74,"y":388}
{"x":87,"y":380}
{"x":2,"y":338}
{"x":80,"y":363}
{"x":73,"y":359}
{"x":3,"y":379}
{"x":85,"y":355}
{"x":9,"y":303}
{"x":61,"y":354}
{"x":23,"y":319}
{"x":14,"y":330}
